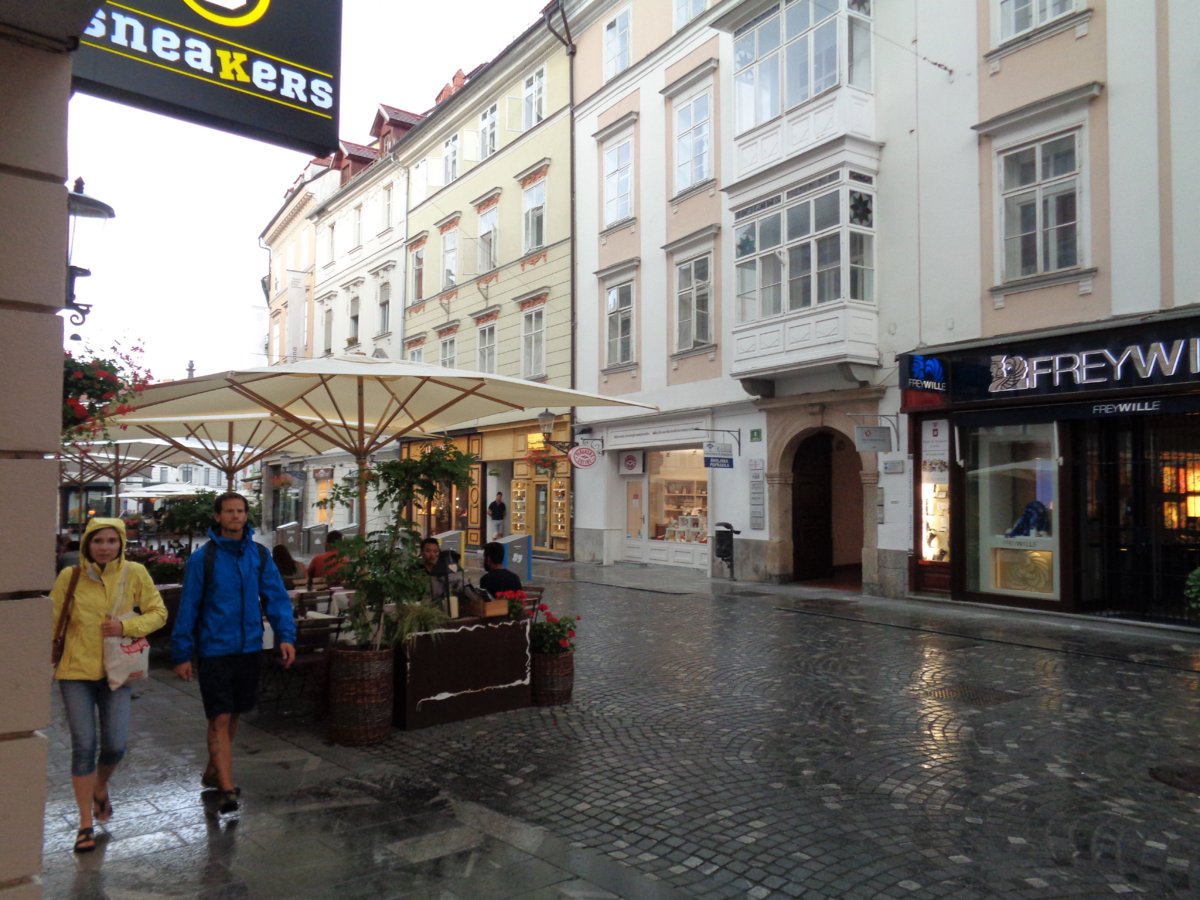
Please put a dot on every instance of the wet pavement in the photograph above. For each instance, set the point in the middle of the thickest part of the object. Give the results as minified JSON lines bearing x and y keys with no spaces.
{"x":726,"y":739}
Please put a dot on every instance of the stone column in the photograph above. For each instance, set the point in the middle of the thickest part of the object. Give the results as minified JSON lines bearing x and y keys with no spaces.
{"x":33,"y":255}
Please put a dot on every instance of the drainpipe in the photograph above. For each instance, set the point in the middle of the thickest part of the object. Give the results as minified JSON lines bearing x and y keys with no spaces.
{"x":556,"y":6}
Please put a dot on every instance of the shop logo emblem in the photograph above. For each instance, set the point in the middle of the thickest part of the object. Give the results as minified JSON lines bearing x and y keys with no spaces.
{"x":1009,"y":373}
{"x":234,"y":13}
{"x":926,"y":373}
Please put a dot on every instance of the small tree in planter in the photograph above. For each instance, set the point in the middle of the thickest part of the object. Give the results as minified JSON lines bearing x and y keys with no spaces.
{"x":382,"y":569}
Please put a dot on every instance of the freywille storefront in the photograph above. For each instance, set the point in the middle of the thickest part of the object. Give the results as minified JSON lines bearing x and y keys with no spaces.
{"x":1060,"y":471}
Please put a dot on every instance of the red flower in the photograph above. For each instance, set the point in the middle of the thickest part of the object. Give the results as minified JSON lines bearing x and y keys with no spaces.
{"x":551,"y":618}
{"x":570,"y":632}
{"x":564,"y":643}
{"x":542,"y":607}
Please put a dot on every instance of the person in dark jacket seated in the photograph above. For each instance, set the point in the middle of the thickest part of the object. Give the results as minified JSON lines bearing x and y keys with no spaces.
{"x":497,"y":578}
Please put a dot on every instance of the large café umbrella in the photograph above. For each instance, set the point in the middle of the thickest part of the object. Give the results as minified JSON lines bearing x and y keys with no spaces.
{"x":356,"y":403}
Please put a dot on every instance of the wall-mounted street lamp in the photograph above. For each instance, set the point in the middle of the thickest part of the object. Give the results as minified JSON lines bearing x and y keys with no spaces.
{"x":546,"y":421}
{"x":80,"y":206}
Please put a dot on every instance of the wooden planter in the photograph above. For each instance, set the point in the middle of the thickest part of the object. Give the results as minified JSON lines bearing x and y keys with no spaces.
{"x":553,"y":677}
{"x":472,"y":667}
{"x":360,"y":695}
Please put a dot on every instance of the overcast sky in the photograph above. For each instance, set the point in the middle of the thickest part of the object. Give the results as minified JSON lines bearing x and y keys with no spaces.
{"x":179,"y":268}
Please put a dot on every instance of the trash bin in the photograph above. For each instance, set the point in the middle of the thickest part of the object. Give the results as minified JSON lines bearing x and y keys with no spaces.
{"x":314,"y":539}
{"x":518,"y":555}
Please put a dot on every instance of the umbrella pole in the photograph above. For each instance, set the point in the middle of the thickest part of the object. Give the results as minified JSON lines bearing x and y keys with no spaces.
{"x":362,"y":496}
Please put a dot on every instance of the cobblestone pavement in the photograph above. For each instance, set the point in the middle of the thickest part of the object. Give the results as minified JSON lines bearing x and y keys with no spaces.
{"x":734,"y":740}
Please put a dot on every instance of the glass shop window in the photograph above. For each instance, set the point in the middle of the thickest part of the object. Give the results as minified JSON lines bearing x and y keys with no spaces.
{"x":1011,"y":504}
{"x":678,"y":487}
{"x":934,"y":537}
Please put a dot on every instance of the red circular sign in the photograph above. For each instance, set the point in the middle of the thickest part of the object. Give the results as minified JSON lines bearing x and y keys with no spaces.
{"x":582,"y":457}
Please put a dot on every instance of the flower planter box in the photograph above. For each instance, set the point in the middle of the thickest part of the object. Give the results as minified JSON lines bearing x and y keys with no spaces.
{"x":486,"y":609}
{"x":471,"y":668}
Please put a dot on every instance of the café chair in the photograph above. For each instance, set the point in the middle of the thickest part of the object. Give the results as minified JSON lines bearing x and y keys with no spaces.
{"x":312,"y":601}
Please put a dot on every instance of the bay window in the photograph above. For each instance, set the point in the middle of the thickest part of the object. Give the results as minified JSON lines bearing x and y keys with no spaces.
{"x":792,"y":53}
{"x":815,"y":245}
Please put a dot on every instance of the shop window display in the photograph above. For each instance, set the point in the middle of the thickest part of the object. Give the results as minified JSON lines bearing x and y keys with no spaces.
{"x":678,"y":508}
{"x":935,"y":491}
{"x":1012,"y":489}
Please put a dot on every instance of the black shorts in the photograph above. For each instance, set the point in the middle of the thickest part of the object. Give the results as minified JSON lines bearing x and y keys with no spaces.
{"x":229,"y":684}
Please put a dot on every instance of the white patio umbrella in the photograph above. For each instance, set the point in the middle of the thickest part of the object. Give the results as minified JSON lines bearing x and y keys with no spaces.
{"x":117,"y":459}
{"x":356,"y":403}
{"x":228,"y":443}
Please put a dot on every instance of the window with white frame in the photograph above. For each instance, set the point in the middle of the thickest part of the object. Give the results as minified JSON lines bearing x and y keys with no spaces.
{"x":448,"y":352}
{"x":1020,"y":16}
{"x":487,"y":132}
{"x":693,"y":145}
{"x":328,"y":329}
{"x":790,"y":54}
{"x":618,"y":323}
{"x":416,"y":354}
{"x":534,"y":105}
{"x":450,"y":158}
{"x":356,"y":221}
{"x":814,"y":245}
{"x":449,"y":258}
{"x":385,"y":207}
{"x":533,"y":343}
{"x":385,"y":307}
{"x":616,"y":44}
{"x":693,"y":303}
{"x":533,"y":202}
{"x":1040,"y":185}
{"x":330,"y":240}
{"x":352,"y":337}
{"x":488,"y":239}
{"x":304,"y":320}
{"x":618,"y":180}
{"x":486,"y":343}
{"x":418,"y":274}
{"x":686,"y":10}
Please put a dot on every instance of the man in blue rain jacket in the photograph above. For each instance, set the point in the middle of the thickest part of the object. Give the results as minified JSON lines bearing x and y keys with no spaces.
{"x":220,"y":622}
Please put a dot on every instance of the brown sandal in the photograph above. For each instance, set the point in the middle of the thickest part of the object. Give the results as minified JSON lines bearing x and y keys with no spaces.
{"x":85,"y":840}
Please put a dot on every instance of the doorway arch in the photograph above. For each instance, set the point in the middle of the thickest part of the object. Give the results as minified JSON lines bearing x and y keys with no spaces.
{"x":827,"y":503}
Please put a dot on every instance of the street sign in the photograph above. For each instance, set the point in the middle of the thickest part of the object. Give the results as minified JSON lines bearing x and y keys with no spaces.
{"x":582,"y":457}
{"x":718,"y":456}
{"x":872,"y":438}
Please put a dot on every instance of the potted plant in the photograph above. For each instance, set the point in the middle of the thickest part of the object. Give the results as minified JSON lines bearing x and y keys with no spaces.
{"x":552,"y":653}
{"x":542,"y":459}
{"x":1191,"y":592}
{"x":391,"y":602}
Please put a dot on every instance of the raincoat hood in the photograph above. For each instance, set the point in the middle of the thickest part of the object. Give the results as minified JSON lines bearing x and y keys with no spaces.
{"x":96,"y":525}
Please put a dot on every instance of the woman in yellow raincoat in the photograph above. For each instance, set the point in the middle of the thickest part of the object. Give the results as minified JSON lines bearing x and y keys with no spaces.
{"x":107,"y":582}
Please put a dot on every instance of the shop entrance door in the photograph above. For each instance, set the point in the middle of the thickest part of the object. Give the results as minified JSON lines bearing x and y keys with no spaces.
{"x":812,"y":508}
{"x":1139,"y":515}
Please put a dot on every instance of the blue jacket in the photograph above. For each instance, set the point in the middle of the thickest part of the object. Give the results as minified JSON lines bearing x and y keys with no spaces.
{"x":231,"y":620}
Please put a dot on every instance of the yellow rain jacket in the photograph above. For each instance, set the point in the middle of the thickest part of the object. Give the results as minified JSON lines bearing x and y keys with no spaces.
{"x":125,"y":583}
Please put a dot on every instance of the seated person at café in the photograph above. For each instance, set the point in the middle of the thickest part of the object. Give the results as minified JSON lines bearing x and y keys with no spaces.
{"x":496,"y":578}
{"x":438,"y":566}
{"x":325,"y":565}
{"x":291,"y":570}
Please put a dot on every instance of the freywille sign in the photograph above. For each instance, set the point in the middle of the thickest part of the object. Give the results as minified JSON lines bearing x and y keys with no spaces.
{"x":1157,"y":355}
{"x":266,"y":69}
